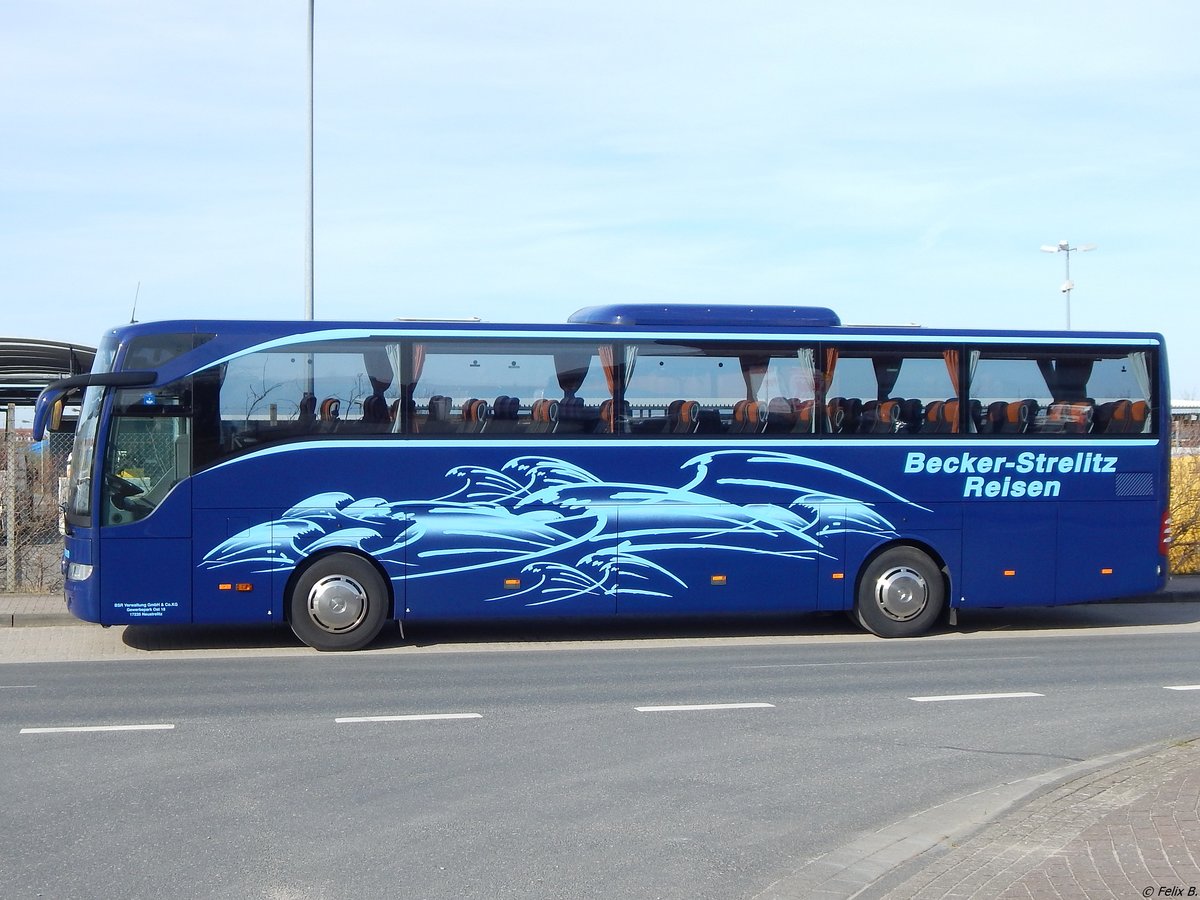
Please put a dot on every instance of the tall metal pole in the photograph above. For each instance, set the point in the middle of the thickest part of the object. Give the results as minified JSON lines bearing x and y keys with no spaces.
{"x":1067,"y":286}
{"x":1065,"y":248}
{"x":308,"y":228}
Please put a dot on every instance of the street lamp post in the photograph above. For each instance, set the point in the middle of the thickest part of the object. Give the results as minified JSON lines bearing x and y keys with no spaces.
{"x":1066,"y":249}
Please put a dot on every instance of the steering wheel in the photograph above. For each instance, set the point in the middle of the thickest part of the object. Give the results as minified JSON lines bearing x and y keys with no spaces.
{"x":123,"y":492}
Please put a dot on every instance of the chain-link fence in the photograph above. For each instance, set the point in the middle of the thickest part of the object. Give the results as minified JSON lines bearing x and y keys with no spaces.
{"x":30,"y":482}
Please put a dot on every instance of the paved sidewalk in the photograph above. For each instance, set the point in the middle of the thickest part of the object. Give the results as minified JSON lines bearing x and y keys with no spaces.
{"x":1131,"y":829}
{"x":1125,"y":826}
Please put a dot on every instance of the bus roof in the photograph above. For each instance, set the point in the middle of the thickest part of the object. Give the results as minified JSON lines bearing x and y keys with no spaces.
{"x":700,"y":320}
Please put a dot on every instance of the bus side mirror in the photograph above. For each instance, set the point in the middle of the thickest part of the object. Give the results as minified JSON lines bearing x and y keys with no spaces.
{"x":56,"y":392}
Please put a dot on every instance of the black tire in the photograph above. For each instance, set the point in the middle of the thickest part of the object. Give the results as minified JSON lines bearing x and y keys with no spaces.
{"x":340,"y":602}
{"x":901,"y":593}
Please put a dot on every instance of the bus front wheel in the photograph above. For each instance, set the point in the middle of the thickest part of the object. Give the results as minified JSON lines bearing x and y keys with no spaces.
{"x":340,"y":602}
{"x":901,"y":593}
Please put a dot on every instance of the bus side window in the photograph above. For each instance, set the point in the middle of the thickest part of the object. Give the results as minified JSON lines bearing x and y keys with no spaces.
{"x":683,"y":388}
{"x":1072,"y":392}
{"x":893,"y":391}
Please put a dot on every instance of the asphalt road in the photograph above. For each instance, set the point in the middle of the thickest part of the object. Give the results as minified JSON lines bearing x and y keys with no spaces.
{"x":554,"y":773}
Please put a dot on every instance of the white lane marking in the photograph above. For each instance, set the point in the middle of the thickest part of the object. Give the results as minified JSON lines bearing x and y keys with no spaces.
{"x":1182,"y":687}
{"x":884,"y":662}
{"x":73,"y":729}
{"x":975,"y":697}
{"x":704,"y":706}
{"x":431,"y":717}
{"x":14,"y":687}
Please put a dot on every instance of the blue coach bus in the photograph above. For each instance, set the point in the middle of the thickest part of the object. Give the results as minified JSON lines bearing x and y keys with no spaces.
{"x":638,"y":460}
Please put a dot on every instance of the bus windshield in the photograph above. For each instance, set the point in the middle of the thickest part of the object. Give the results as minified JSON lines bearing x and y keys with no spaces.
{"x":149,"y":447}
{"x":149,"y":451}
{"x":79,"y":473}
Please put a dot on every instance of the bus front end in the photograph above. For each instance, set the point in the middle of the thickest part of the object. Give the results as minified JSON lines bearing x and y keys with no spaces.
{"x":80,"y":549}
{"x":126,"y":517}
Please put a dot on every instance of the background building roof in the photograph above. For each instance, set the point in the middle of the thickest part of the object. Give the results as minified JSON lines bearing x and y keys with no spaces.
{"x":27,"y":366}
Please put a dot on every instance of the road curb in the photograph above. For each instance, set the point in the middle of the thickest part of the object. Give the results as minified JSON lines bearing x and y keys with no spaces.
{"x":35,"y":610}
{"x":35,"y":620}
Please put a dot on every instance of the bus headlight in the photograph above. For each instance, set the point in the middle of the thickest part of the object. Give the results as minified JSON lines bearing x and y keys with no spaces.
{"x":78,"y":572}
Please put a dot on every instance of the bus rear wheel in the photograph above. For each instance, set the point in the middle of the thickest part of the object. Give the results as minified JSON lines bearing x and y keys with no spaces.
{"x":340,"y":602}
{"x":901,"y":593}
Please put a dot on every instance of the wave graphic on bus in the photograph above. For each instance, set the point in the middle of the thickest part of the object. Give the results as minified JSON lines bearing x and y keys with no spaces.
{"x":569,"y":533}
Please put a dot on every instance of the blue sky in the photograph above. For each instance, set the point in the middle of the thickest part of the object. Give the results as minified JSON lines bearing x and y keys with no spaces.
{"x":899,"y":162}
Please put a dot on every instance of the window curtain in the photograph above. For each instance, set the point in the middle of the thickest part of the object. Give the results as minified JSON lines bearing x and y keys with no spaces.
{"x":618,"y":375}
{"x":951,"y":357}
{"x":571,"y":369}
{"x":608,"y":363}
{"x":809,"y":379}
{"x":754,"y":370}
{"x":379,"y":369}
{"x":829,"y":367}
{"x":1066,"y":379}
{"x":831,"y":358}
{"x":406,"y":406}
{"x":380,"y":375}
{"x":887,"y":370}
{"x":1139,"y":365}
{"x":810,"y":375}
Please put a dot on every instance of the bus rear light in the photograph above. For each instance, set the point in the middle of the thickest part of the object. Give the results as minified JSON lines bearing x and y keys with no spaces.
{"x":719,"y":580}
{"x":1165,"y":535}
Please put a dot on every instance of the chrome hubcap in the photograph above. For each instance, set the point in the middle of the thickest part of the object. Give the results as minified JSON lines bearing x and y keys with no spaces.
{"x":337,"y":603}
{"x":901,"y":593}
